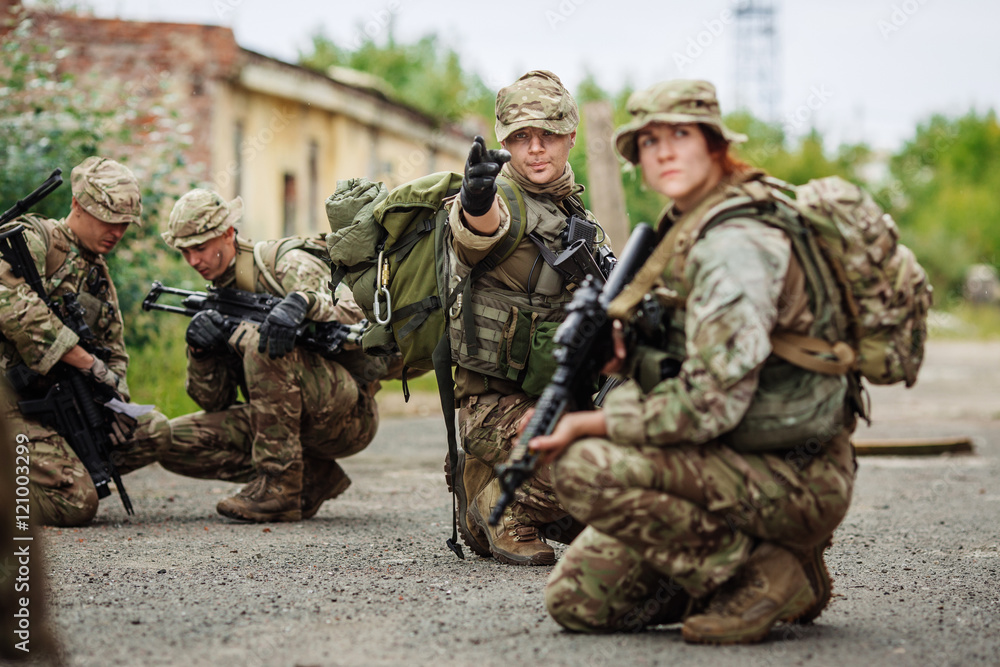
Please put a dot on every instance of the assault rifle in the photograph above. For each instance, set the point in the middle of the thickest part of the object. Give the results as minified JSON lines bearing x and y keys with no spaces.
{"x":72,"y":404}
{"x":582,"y":348}
{"x":324,"y":338}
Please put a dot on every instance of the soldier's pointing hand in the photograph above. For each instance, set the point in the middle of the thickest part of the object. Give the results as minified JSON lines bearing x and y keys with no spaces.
{"x":479,"y":187}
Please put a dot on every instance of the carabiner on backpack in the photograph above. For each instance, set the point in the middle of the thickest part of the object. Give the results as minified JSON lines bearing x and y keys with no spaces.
{"x":383,"y":289}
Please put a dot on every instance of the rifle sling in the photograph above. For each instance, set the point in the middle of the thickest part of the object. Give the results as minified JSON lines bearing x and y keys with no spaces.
{"x":446,"y":391}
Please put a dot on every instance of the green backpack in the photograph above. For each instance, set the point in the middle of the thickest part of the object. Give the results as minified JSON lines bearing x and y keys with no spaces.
{"x":390,"y":248}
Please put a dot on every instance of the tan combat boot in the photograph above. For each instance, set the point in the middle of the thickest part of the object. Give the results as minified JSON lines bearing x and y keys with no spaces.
{"x":813,"y":563}
{"x":510,"y":542}
{"x":771,"y":586}
{"x":322,"y":480}
{"x":274,"y":495}
{"x":473,"y":476}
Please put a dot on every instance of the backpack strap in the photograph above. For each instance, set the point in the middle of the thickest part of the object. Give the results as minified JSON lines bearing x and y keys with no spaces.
{"x":57,"y":244}
{"x":808,"y":353}
{"x":266,"y":264}
{"x":245,"y":278}
{"x":446,"y":391}
{"x":675,"y":244}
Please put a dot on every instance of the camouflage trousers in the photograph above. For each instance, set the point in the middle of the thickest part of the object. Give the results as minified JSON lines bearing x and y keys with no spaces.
{"x":667,"y":523}
{"x":488,"y":426}
{"x":60,"y":488}
{"x":302,"y":406}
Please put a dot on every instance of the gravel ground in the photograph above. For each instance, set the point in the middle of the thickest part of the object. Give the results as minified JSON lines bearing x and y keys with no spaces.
{"x":369,"y":580}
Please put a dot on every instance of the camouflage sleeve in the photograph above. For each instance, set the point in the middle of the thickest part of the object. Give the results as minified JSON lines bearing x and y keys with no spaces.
{"x":213,"y":382}
{"x":114,"y":340}
{"x":299,"y":271}
{"x":736,"y":273}
{"x":38,"y":334}
{"x":470,"y":248}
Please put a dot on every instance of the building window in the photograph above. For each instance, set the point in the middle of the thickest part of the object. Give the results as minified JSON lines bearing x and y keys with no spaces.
{"x":288,"y":225}
{"x":314,"y":197}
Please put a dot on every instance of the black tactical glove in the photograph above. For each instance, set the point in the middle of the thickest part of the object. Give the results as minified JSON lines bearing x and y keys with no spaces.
{"x":479,"y":187}
{"x":207,"y":331}
{"x":277,"y":334}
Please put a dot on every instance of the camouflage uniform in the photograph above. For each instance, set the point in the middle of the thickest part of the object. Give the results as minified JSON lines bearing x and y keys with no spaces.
{"x":62,"y":492}
{"x":300,"y":406}
{"x":674,"y":504}
{"x":491,"y":406}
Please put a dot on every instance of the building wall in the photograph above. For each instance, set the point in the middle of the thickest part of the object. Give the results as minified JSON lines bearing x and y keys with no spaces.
{"x":276,"y":134}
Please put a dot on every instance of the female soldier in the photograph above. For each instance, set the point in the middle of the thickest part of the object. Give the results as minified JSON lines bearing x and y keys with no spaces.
{"x":716,"y":488}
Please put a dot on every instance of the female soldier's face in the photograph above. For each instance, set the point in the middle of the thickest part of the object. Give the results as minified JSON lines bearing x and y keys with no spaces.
{"x":539,"y":155}
{"x":676,"y":162}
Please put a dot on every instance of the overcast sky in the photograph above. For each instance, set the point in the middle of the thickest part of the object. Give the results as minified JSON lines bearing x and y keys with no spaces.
{"x":856,"y":69}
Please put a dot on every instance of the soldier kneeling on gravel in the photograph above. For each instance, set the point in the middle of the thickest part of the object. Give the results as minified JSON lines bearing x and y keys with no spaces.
{"x":709,"y":494}
{"x":303,"y":411}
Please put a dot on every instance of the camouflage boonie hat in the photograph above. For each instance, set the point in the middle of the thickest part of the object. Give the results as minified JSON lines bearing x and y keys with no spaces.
{"x":107,"y":190}
{"x":677,"y":101}
{"x":537,"y":99}
{"x":201,"y":215}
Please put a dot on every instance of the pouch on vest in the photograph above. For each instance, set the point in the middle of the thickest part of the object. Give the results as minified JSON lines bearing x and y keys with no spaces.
{"x":788,"y":409}
{"x":526,"y":350}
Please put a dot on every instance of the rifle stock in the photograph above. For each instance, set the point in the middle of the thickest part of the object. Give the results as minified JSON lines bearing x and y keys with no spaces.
{"x":579,"y":359}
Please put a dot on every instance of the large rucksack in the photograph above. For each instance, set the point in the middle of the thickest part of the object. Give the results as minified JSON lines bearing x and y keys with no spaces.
{"x":851,"y":252}
{"x":886,"y":291}
{"x":389,"y":247}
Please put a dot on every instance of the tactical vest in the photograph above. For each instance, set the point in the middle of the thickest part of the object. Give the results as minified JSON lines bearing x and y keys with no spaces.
{"x":513,"y":329}
{"x":96,"y":295}
{"x":64,"y":271}
{"x":791,"y":404}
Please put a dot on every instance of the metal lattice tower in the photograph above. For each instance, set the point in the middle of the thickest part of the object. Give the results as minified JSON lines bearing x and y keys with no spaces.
{"x":756,"y":68}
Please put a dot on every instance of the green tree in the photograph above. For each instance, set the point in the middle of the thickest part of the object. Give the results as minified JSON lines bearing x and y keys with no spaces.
{"x":425,"y":74}
{"x":943,"y":195}
{"x":50,"y":118}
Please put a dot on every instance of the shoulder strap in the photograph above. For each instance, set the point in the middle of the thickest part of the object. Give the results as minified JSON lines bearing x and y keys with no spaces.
{"x":57,"y":244}
{"x":675,"y":243}
{"x":266,"y":265}
{"x":245,"y":278}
